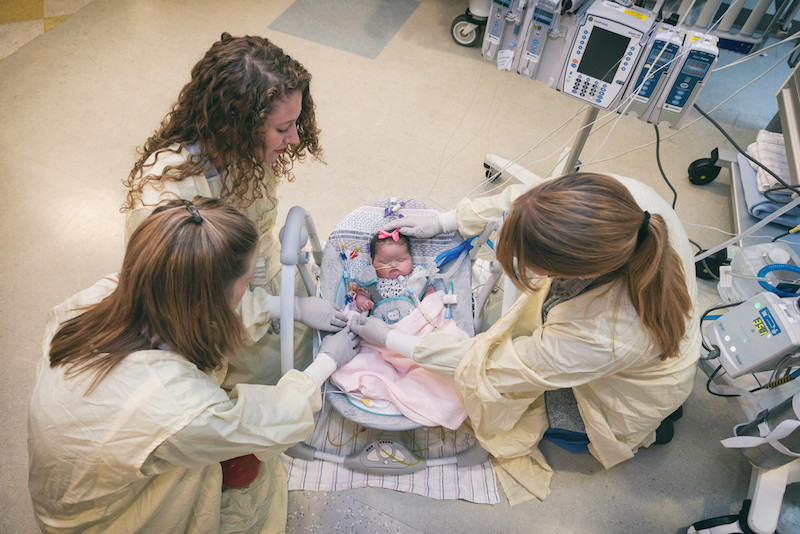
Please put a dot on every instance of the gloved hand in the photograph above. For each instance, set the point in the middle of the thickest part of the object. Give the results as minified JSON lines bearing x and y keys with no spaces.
{"x":319,"y":314}
{"x":370,"y":329}
{"x":340,"y":346}
{"x":419,"y":226}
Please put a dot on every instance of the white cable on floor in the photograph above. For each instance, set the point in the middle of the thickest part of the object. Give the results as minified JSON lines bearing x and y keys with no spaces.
{"x":757,"y":226}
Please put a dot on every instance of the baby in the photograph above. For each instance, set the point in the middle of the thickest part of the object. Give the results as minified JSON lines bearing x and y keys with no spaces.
{"x":380,"y":379}
{"x":392,"y":276}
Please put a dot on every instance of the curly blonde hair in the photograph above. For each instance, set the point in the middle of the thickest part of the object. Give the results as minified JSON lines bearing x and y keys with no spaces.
{"x":223,"y":108}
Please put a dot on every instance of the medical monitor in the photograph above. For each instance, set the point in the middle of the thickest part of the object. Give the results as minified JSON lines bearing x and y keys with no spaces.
{"x":603,"y":53}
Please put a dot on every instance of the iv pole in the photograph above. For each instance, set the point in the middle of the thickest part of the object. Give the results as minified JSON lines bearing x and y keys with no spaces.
{"x":572,"y":164}
{"x":567,"y":163}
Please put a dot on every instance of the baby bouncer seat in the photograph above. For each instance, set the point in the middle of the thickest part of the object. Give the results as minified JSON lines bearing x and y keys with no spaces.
{"x":391,"y":448}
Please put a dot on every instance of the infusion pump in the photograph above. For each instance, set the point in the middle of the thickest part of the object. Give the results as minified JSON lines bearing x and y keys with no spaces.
{"x":692,"y":67}
{"x":604,"y":53}
{"x":611,"y":56}
{"x":651,"y":74}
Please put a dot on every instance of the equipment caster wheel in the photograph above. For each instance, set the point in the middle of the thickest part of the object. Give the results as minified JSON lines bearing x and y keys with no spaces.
{"x":727,"y":524}
{"x":490,"y":173}
{"x":466,"y":31}
{"x":704,"y":170}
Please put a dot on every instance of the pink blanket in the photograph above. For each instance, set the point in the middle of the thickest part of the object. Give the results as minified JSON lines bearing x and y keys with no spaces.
{"x":377,"y":373}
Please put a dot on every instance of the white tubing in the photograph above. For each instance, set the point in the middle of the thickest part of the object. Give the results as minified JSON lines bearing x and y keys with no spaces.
{"x":749,"y":231}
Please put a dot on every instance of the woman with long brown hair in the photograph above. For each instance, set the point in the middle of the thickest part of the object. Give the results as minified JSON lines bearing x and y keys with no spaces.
{"x":239,"y":125}
{"x":128,"y":424}
{"x":599,"y":351}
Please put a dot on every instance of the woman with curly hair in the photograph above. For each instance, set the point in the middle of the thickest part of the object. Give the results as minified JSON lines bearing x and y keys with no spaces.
{"x":237,"y":128}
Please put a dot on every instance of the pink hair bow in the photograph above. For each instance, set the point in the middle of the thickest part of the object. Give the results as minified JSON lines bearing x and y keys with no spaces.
{"x":385,"y":235}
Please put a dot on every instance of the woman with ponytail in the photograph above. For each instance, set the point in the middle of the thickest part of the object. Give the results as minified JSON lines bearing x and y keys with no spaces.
{"x":599,"y":352}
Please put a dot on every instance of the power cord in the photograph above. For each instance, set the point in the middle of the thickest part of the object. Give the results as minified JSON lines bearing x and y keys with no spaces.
{"x":708,"y":385}
{"x":661,"y":169}
{"x":788,"y":377}
{"x":784,"y":234}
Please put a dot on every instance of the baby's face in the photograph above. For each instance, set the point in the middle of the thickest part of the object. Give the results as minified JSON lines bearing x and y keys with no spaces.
{"x":392,"y":260}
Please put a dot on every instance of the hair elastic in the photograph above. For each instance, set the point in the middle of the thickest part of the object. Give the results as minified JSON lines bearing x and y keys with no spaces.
{"x":193,"y":210}
{"x":643,"y":229}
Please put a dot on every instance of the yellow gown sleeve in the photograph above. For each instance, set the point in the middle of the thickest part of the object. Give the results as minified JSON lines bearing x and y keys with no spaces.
{"x":473,"y":214}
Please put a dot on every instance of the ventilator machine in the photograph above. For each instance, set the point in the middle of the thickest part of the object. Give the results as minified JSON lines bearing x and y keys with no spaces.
{"x":612,"y":56}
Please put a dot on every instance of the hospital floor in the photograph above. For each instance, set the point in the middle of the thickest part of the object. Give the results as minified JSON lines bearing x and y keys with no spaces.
{"x":404,"y":112}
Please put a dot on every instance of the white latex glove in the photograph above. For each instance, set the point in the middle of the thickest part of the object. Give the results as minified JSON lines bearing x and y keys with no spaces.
{"x":341,"y":346}
{"x":370,"y":329}
{"x":421,"y":226}
{"x":319,"y":314}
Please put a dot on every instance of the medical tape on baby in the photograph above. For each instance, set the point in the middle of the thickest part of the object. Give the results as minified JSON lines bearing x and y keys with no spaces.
{"x":749,"y":231}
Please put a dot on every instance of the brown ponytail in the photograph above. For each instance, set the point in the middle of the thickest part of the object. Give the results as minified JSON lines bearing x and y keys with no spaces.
{"x":586,"y":225}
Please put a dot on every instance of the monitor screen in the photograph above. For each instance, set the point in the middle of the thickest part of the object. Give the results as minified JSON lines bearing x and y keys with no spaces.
{"x":603,"y":53}
{"x":543,"y":17}
{"x":661,"y":64}
{"x":698,"y":68}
